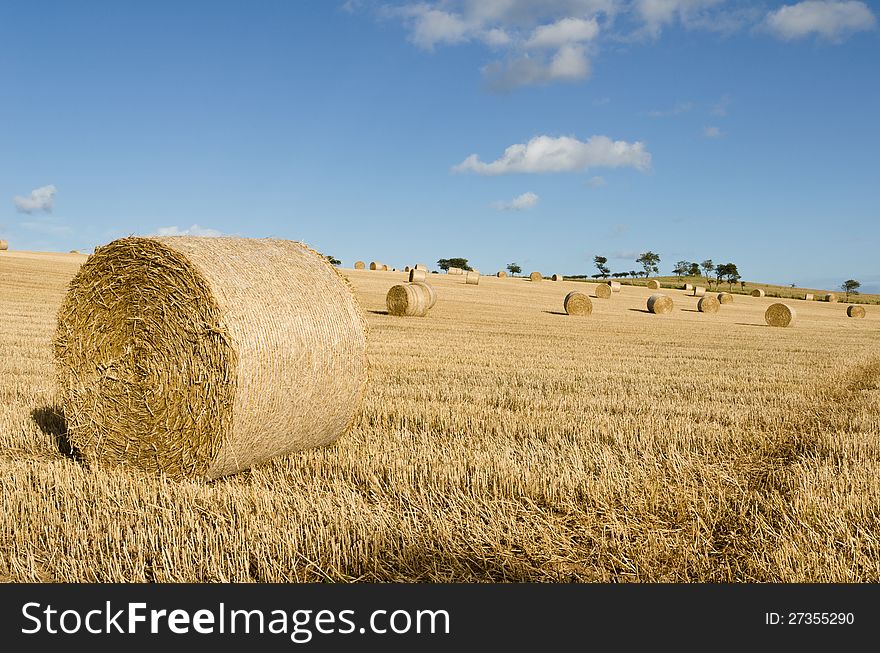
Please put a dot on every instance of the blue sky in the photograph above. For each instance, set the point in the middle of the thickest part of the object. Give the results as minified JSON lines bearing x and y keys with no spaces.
{"x":501,"y":130}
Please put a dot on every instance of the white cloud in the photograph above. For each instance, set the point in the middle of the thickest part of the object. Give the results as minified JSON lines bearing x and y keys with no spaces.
{"x":194,"y":230}
{"x":569,"y":64}
{"x":677,"y":110}
{"x":712,"y":132}
{"x":522,"y":202}
{"x":563,"y":32}
{"x":40,"y":199}
{"x":692,"y":14}
{"x":561,"y":154}
{"x":596,"y":182}
{"x":829,"y":19}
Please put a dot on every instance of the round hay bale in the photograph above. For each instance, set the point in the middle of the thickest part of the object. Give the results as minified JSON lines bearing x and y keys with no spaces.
{"x":429,"y":289}
{"x":406,"y":269}
{"x":3,"y":245}
{"x":472,"y":277}
{"x":603,"y":291}
{"x":808,"y":297}
{"x":359,"y":265}
{"x":577,"y":303}
{"x":408,"y":299}
{"x":708,"y":304}
{"x":653,"y":284}
{"x":725,"y":298}
{"x":699,"y":291}
{"x":758,"y":292}
{"x":417,"y":275}
{"x":201,"y":357}
{"x":688,"y":287}
{"x":386,"y":268}
{"x":556,"y":277}
{"x":421,"y":266}
{"x":501,"y":274}
{"x":779,"y":315}
{"x":535,"y":276}
{"x":375,"y":265}
{"x":831,"y":298}
{"x":454,"y":271}
{"x":660,"y":304}
{"x":615,"y":286}
{"x":855,"y":311}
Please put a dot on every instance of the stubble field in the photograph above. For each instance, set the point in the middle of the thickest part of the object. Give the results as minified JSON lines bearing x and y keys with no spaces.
{"x":499,"y":440}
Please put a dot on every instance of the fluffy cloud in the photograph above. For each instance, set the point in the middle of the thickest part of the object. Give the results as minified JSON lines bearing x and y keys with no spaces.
{"x":677,"y":110}
{"x":563,"y":32}
{"x":570,"y":63}
{"x":522,"y":202}
{"x":712,"y":132}
{"x":194,"y":230}
{"x":561,"y":154}
{"x":596,"y":182}
{"x":691,"y":13}
{"x":829,"y":19}
{"x":40,"y":199}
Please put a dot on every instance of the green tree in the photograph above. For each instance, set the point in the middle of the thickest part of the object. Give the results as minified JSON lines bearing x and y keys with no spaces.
{"x":649,"y":261}
{"x":604,"y":271}
{"x":446,"y":263}
{"x":728,"y":273}
{"x":514,"y":269}
{"x":708,"y":268}
{"x":850,"y":287}
{"x":333,"y":260}
{"x":681,"y":268}
{"x":694,"y":270}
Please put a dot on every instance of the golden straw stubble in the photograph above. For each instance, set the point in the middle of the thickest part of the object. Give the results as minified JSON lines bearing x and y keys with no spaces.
{"x":200,"y":357}
{"x":779,"y":315}
{"x":603,"y":291}
{"x":408,"y":299}
{"x":855,"y":311}
{"x":708,"y":304}
{"x":660,"y":304}
{"x":577,"y":303}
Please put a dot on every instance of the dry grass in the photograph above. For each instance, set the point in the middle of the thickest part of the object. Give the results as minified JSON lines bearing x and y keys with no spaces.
{"x":525,"y":451}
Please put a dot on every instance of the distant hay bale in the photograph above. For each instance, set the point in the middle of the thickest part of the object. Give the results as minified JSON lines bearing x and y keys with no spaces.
{"x":653,"y":284}
{"x":454,"y":271}
{"x":615,"y":286}
{"x":3,"y":245}
{"x":421,"y":266}
{"x":386,"y":268}
{"x":74,"y":251}
{"x":855,"y":311}
{"x":660,"y":304}
{"x":708,"y":304}
{"x":725,"y":298}
{"x":699,"y":291}
{"x":808,"y":296}
{"x":831,"y":298}
{"x":406,"y":269}
{"x":779,"y":315}
{"x":603,"y":291}
{"x":432,"y":294}
{"x":201,"y":357}
{"x":577,"y":303}
{"x":417,"y":275}
{"x":556,"y":277}
{"x":535,"y":276}
{"x":408,"y":300}
{"x":472,"y":277}
{"x":758,"y":292}
{"x":359,"y":265}
{"x":375,"y":265}
{"x":688,"y":286}
{"x":501,"y":274}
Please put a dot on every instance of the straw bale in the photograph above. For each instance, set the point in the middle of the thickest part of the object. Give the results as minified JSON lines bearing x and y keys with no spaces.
{"x":660,"y":304}
{"x":472,"y":277}
{"x":653,"y":284}
{"x":708,"y":304}
{"x":417,"y":275}
{"x":408,"y":299}
{"x":831,"y":298}
{"x":535,"y":276}
{"x":725,"y":298}
{"x":577,"y":303}
{"x":3,"y":245}
{"x":556,"y":277}
{"x":699,"y":291}
{"x":429,"y":289}
{"x":855,"y":311}
{"x":501,"y":274}
{"x":779,"y":315}
{"x":758,"y":292}
{"x":808,"y":296}
{"x":603,"y":291}
{"x":615,"y":286}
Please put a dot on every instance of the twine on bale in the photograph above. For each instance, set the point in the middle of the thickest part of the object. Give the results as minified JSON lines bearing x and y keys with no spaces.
{"x":200,"y":357}
{"x":758,"y":292}
{"x":359,"y":265}
{"x":653,"y":284}
{"x":501,"y":274}
{"x":577,"y":303}
{"x":660,"y":304}
{"x":699,"y":291}
{"x":429,"y":289}
{"x":556,"y":277}
{"x":408,"y":299}
{"x":831,"y":298}
{"x":855,"y":311}
{"x":779,"y":315}
{"x":535,"y":276}
{"x":725,"y":298}
{"x":603,"y":291}
{"x":417,"y":275}
{"x":472,"y":277}
{"x":708,"y":304}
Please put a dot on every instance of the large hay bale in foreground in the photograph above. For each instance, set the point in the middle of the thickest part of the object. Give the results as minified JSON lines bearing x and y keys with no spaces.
{"x":359,"y":265}
{"x":708,"y":304}
{"x":200,"y":357}
{"x":725,"y":298}
{"x":603,"y":291}
{"x":3,"y":245}
{"x":535,"y":276}
{"x":408,"y":299}
{"x":831,"y":298}
{"x":699,"y":291}
{"x":660,"y":304}
{"x":429,"y":289}
{"x":615,"y":286}
{"x":417,"y":275}
{"x":779,"y":315}
{"x":653,"y":284}
{"x":556,"y":277}
{"x":577,"y":303}
{"x":855,"y":311}
{"x":501,"y":274}
{"x":472,"y":277}
{"x":758,"y":292}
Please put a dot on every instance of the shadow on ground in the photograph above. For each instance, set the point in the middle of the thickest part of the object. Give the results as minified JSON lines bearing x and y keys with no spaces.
{"x":51,"y":421}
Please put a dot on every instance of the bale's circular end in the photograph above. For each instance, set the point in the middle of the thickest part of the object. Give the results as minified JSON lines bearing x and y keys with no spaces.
{"x":708,"y":304}
{"x":758,"y":292}
{"x":653,"y":284}
{"x":556,"y":277}
{"x":577,"y":303}
{"x":808,"y":297}
{"x":831,"y":298}
{"x":501,"y":274}
{"x":200,"y":357}
{"x":472,"y":277}
{"x":603,"y":291}
{"x":417,"y":275}
{"x":779,"y":315}
{"x":359,"y":265}
{"x":407,"y":299}
{"x":725,"y":298}
{"x":535,"y":276}
{"x":660,"y":304}
{"x":855,"y":311}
